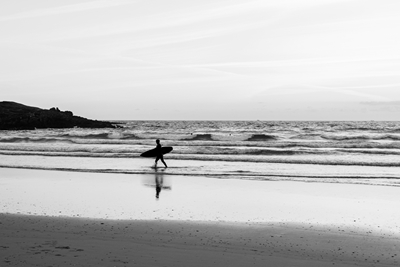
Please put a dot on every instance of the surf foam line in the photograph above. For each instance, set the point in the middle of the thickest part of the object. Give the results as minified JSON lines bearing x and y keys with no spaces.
{"x":203,"y":157}
{"x":389,"y":137}
{"x":202,"y":143}
{"x":230,"y":175}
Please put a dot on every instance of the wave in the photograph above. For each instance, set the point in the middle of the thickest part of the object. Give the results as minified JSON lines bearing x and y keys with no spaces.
{"x":209,"y":137}
{"x":122,"y":136}
{"x":200,"y":137}
{"x":316,"y":160}
{"x":371,"y":152}
{"x":206,"y":143}
{"x":32,"y":140}
{"x":314,"y":140}
{"x":291,"y":144}
{"x":103,"y":138}
{"x":200,"y":147}
{"x":261,"y":137}
{"x":388,"y":137}
{"x":88,"y":136}
{"x":183,"y":151}
{"x":286,"y":160}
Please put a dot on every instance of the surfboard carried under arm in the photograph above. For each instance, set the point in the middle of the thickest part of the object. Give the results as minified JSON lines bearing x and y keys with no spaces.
{"x":155,"y":152}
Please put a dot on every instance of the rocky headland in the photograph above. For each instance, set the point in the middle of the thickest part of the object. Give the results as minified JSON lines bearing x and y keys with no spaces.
{"x":16,"y":116}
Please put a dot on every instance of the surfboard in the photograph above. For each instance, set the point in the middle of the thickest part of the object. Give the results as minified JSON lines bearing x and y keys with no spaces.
{"x":153,"y":152}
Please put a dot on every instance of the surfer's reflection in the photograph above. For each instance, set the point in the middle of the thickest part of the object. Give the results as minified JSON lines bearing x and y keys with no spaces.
{"x":159,"y":179}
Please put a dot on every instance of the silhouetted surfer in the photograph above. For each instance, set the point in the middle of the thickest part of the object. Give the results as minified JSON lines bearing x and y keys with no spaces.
{"x":159,"y":154}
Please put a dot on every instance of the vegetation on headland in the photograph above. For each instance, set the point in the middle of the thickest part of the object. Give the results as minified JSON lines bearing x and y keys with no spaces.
{"x":16,"y":116}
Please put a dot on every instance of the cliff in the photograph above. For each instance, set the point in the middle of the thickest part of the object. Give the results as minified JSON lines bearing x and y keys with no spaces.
{"x":15,"y":116}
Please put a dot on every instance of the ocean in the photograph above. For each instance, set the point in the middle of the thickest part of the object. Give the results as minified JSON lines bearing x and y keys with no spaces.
{"x":366,"y":152}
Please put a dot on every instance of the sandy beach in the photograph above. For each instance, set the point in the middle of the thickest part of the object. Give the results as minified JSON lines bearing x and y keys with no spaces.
{"x":54,"y":218}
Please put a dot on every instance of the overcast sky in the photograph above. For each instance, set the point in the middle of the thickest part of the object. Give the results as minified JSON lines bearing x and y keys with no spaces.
{"x":204,"y":59}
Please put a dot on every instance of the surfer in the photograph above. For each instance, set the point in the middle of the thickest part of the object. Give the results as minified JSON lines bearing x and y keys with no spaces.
{"x":159,"y":154}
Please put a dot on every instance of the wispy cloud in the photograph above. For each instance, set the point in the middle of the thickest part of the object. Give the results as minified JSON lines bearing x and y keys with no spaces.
{"x":381,"y":103}
{"x":349,"y":91}
{"x":66,"y":9}
{"x":246,"y":50}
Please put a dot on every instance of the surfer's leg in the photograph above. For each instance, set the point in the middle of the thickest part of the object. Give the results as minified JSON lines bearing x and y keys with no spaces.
{"x":162,"y":160}
{"x":155,"y":164}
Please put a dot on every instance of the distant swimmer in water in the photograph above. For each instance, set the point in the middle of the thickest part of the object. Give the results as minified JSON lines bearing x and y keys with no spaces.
{"x":159,"y":154}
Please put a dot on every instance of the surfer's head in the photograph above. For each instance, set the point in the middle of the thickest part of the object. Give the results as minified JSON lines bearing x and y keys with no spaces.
{"x":158,"y":141}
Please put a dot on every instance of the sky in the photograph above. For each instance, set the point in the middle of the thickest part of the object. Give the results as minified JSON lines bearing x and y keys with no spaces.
{"x":203,"y":59}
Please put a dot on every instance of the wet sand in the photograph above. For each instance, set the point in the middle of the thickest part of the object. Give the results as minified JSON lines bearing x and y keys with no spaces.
{"x":87,"y":219}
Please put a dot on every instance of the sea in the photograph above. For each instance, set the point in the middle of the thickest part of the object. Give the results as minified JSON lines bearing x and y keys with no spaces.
{"x":362,"y":152}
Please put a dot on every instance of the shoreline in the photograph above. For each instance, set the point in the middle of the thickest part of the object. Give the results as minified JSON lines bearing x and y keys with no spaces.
{"x":103,"y":219}
{"x":342,"y":174}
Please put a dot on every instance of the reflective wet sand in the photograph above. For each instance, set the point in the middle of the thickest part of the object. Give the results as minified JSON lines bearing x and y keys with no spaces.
{"x":297,"y":223}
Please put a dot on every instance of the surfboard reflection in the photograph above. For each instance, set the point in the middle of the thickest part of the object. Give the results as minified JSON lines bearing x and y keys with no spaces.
{"x":159,"y":182}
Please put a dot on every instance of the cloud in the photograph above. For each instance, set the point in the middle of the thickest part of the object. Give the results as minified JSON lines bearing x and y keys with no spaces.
{"x":310,"y":51}
{"x":66,"y":9}
{"x":348,"y":91}
{"x":316,"y":94}
{"x":381,"y":103}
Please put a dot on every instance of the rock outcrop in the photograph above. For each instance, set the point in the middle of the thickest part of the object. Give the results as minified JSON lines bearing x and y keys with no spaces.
{"x":15,"y":116}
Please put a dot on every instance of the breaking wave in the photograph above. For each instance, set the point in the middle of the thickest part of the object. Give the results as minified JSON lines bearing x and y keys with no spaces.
{"x":261,"y":137}
{"x":200,"y":137}
{"x":388,"y":137}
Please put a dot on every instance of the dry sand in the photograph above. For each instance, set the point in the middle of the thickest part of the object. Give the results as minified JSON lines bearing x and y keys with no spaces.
{"x":312,"y":224}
